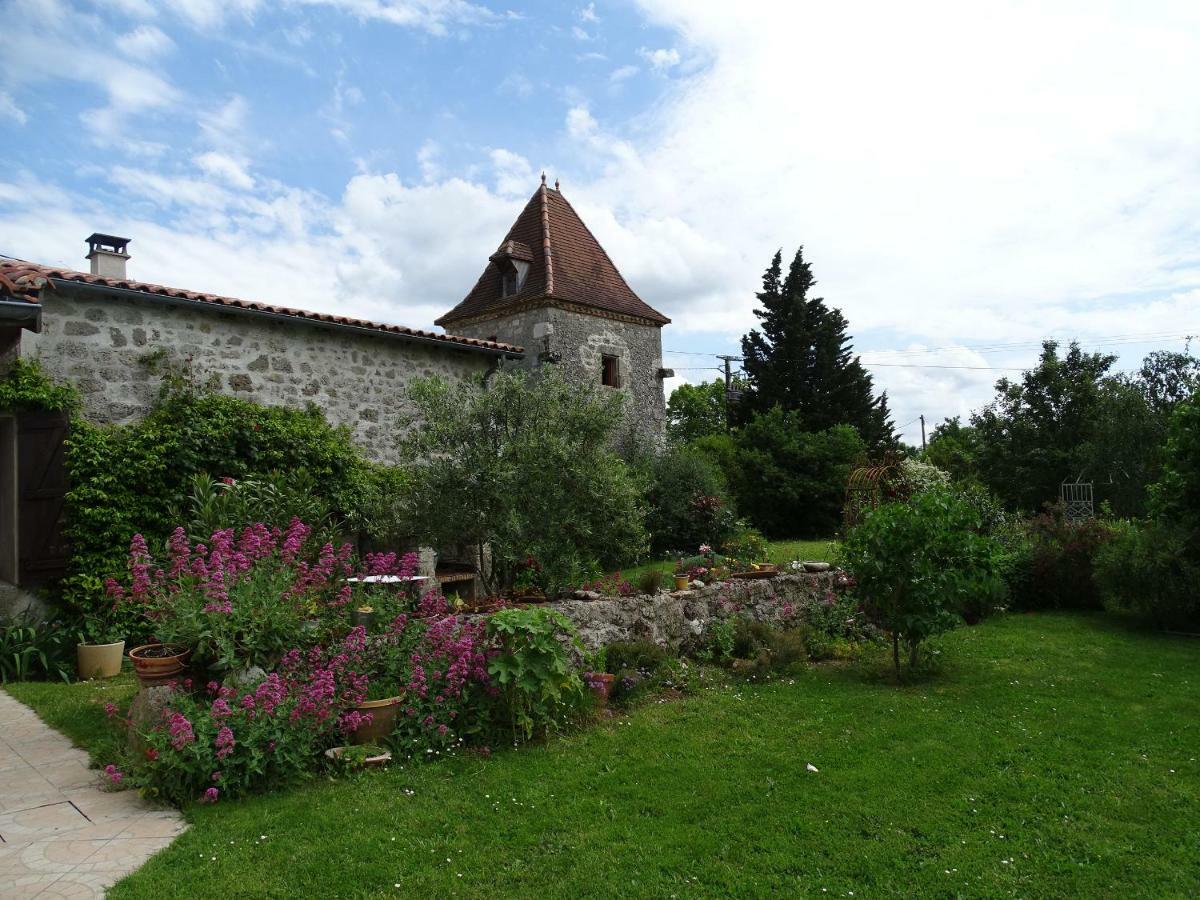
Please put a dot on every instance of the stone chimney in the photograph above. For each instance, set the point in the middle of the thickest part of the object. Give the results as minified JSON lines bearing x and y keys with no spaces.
{"x":108,"y":255}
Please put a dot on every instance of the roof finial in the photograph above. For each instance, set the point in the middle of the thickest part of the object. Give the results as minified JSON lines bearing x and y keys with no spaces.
{"x":556,"y":184}
{"x":543,"y":178}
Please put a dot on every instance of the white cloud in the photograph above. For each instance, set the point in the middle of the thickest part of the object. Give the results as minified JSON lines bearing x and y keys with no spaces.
{"x":660,"y":60}
{"x":516,"y":85}
{"x":622,"y":74}
{"x":225,"y":168}
{"x":427,"y":160}
{"x":580,"y":34}
{"x":10,"y":110}
{"x":514,"y":175}
{"x":145,"y":42}
{"x":588,"y":14}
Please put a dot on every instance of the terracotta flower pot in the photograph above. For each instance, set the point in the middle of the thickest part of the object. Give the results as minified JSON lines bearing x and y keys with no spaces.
{"x":158,"y":663}
{"x":601,"y":685}
{"x":99,"y":660}
{"x":681,"y":582}
{"x":384,"y":714}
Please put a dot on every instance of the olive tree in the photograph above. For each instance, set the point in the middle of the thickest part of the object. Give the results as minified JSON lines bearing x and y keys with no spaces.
{"x":523,"y":465}
{"x":918,"y":563}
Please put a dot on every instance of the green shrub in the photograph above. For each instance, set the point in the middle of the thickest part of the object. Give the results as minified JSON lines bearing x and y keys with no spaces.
{"x":760,"y":651}
{"x":687,"y":502}
{"x":532,"y":669}
{"x":790,"y":482}
{"x":746,"y":546}
{"x":650,"y":581}
{"x":127,"y":479}
{"x":33,"y":650}
{"x":525,"y":467}
{"x":917,"y":564}
{"x":28,"y":387}
{"x":1052,"y":565}
{"x":644,"y":655}
{"x":272,"y":498}
{"x":1146,"y":570}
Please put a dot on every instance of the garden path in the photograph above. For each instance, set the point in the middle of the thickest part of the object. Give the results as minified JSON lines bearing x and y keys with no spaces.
{"x":61,"y":833}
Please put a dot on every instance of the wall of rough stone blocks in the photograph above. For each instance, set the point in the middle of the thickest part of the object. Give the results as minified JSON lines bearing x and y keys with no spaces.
{"x":671,"y":619}
{"x":580,"y":341}
{"x":101,"y":344}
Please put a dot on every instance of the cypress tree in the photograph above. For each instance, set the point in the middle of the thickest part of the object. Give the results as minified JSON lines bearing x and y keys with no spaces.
{"x":802,"y":360}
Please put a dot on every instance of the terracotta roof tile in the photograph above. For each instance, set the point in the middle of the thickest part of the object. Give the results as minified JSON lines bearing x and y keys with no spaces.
{"x":568,"y":264}
{"x":22,"y":281}
{"x":16,"y":270}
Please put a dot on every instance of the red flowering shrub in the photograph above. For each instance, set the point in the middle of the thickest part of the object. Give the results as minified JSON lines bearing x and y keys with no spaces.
{"x":227,"y":741}
{"x":244,"y":599}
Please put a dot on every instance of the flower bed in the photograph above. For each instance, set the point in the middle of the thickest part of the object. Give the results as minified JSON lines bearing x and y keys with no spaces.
{"x":279,"y":673}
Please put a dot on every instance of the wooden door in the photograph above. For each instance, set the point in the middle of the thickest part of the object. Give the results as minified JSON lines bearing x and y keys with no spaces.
{"x":41,"y":493}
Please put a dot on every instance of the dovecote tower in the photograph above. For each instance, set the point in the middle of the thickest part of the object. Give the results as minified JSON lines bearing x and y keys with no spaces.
{"x":552,"y":289}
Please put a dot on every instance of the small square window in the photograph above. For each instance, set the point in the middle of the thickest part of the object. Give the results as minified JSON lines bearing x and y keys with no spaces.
{"x":610,"y":371}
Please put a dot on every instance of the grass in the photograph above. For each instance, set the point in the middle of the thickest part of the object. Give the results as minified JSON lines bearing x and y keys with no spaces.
{"x":779,"y":552}
{"x":1051,"y":755}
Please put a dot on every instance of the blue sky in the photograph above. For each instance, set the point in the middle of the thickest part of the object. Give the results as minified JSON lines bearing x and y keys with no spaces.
{"x":966,"y":180}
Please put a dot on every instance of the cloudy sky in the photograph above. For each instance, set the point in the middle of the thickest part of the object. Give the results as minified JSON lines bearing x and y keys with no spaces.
{"x":966,"y":178}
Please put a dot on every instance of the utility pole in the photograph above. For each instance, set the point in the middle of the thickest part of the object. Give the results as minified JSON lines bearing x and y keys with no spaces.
{"x":922,"y":432}
{"x":728,"y":390}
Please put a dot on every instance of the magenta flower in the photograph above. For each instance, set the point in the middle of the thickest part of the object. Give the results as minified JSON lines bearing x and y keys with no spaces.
{"x":210,"y":795}
{"x":114,"y":774}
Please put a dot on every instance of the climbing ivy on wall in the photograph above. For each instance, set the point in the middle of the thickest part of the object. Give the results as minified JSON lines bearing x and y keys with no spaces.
{"x":27,"y":386}
{"x":126,"y":479}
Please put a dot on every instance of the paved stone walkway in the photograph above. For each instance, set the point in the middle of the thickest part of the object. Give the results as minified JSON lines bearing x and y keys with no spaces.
{"x":61,"y":833}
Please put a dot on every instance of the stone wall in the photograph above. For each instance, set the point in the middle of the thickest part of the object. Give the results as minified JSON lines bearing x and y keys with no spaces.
{"x":101,"y":343}
{"x":580,"y":341}
{"x":670,"y":619}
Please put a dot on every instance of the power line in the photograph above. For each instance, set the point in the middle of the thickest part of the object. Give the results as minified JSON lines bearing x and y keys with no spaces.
{"x":1033,"y":343}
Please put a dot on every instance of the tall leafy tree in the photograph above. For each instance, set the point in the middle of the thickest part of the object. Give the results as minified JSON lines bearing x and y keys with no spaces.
{"x":1032,"y":435}
{"x":801,"y":360}
{"x":698,"y":410}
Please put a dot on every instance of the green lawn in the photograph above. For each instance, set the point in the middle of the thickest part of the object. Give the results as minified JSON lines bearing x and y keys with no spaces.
{"x":1052,"y":755}
{"x":780,"y":552}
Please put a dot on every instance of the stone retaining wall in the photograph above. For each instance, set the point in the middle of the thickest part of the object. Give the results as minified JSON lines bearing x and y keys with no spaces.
{"x":672,"y":618}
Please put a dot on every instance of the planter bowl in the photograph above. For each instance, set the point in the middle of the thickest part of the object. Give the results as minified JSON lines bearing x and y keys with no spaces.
{"x":681,"y":582}
{"x":158,"y":663}
{"x":384,"y":714}
{"x":99,"y":660}
{"x":382,"y":759}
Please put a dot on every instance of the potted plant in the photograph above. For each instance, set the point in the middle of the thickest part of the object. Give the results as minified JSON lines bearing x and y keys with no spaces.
{"x":387,"y":663}
{"x":681,"y":576}
{"x":600,"y":684}
{"x":100,"y":652}
{"x":364,"y":615}
{"x":156,"y":664}
{"x":359,"y":756}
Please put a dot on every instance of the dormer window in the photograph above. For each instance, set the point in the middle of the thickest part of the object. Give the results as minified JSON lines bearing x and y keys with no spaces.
{"x":508,"y":282}
{"x":513,"y":259}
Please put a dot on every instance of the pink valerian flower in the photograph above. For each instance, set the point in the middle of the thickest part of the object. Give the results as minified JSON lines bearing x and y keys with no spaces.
{"x":351,"y":721}
{"x":114,"y":774}
{"x":139,"y":569}
{"x":297,"y":533}
{"x":210,"y":795}
{"x":151,"y":754}
{"x":180,"y":730}
{"x":216,"y":776}
{"x":224,"y":742}
{"x":220,"y":709}
{"x":111,"y":709}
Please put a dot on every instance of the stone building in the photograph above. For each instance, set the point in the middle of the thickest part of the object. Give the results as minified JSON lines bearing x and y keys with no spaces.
{"x":550,"y":288}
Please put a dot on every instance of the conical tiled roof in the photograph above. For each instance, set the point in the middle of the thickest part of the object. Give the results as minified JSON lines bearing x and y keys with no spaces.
{"x":567,"y":264}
